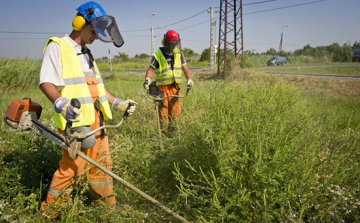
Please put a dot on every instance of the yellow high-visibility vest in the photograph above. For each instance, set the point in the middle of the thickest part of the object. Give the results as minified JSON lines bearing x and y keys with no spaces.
{"x":76,"y":87}
{"x":164,"y":74}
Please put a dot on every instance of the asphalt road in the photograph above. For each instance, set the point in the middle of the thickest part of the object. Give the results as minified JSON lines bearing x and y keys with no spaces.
{"x":317,"y":75}
{"x":143,"y":71}
{"x":279,"y":73}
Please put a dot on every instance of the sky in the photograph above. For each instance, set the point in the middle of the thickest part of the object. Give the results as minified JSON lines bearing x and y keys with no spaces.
{"x":26,"y":25}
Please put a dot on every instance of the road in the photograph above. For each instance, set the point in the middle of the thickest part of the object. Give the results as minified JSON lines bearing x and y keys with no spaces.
{"x":193,"y":70}
{"x":278,"y":72}
{"x":143,"y":71}
{"x":317,"y":75}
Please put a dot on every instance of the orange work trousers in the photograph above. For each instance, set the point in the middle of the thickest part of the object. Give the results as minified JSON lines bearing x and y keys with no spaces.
{"x":170,"y":108}
{"x":68,"y":175}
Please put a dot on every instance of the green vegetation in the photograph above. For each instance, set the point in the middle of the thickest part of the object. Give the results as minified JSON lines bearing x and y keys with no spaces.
{"x":250,"y":148}
{"x":18,"y":74}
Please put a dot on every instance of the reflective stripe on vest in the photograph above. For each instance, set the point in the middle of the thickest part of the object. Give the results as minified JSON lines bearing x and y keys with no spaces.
{"x":76,"y":87}
{"x":164,"y":74}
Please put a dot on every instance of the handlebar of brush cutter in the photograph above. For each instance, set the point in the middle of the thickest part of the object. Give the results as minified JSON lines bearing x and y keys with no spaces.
{"x":161,"y":99}
{"x":76,"y":103}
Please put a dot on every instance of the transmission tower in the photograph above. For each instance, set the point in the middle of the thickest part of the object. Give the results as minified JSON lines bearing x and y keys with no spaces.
{"x":230,"y":32}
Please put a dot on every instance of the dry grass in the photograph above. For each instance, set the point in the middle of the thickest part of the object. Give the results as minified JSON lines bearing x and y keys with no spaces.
{"x":330,"y":86}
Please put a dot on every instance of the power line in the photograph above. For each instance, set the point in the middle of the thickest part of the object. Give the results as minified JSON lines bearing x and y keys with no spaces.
{"x":23,"y":38}
{"x":291,"y":6}
{"x":139,"y":30}
{"x":190,"y":40}
{"x":194,"y":25}
{"x":29,"y":32}
{"x":255,"y":3}
{"x":183,"y":19}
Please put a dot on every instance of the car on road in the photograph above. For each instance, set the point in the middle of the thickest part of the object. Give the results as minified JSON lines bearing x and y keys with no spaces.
{"x":276,"y":61}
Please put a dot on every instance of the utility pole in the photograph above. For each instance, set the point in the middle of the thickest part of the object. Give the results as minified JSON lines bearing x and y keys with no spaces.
{"x":152,"y":35}
{"x":152,"y":41}
{"x":230,"y":43}
{"x":110,"y":61}
{"x":212,"y":38}
{"x":281,"y":39}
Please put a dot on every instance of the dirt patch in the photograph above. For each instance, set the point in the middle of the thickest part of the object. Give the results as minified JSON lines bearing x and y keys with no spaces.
{"x":331,"y":86}
{"x":327,"y":86}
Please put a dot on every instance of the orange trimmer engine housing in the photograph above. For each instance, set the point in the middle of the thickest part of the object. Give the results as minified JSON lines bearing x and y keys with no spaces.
{"x":16,"y":109}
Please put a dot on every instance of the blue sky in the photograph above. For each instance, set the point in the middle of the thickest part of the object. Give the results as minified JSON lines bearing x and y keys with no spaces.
{"x":26,"y":25}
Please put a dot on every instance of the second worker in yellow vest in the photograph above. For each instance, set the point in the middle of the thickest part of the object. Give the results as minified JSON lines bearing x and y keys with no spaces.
{"x":169,"y":63}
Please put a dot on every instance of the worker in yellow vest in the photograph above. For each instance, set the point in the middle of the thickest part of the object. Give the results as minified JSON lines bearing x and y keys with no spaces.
{"x":169,"y":63}
{"x":69,"y":71}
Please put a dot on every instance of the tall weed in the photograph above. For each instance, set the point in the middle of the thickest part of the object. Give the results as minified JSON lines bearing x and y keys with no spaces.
{"x":255,"y":154}
{"x":18,"y":74}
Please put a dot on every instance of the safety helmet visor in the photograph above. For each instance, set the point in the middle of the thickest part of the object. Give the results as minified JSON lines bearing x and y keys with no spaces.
{"x":172,"y":46}
{"x":107,"y":30}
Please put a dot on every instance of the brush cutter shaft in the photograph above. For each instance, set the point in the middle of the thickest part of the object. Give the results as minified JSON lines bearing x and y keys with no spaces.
{"x":29,"y":121}
{"x":130,"y":186}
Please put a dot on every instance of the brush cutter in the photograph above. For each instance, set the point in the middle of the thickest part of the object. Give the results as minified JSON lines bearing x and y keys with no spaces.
{"x":23,"y":114}
{"x":154,"y":93}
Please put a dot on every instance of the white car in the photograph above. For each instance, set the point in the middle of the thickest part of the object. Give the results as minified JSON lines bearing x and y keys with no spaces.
{"x":276,"y":61}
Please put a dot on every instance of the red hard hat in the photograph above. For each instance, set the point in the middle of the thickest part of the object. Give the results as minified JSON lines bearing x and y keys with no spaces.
{"x":172,"y":36}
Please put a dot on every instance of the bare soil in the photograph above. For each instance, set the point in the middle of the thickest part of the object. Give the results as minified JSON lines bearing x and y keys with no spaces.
{"x":330,"y":86}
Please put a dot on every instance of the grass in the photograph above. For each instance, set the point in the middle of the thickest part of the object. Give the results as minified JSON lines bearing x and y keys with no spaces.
{"x":18,"y":74}
{"x":336,"y":70}
{"x":251,"y":148}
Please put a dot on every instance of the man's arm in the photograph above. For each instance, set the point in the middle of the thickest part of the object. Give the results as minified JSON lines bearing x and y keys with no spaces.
{"x":50,"y":91}
{"x":149,"y":72}
{"x":186,"y":71}
{"x":111,"y":97}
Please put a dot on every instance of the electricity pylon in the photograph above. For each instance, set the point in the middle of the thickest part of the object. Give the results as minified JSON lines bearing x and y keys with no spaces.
{"x":230,"y":32}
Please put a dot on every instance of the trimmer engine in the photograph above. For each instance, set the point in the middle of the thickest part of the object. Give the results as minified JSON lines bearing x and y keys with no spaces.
{"x":17,"y":108}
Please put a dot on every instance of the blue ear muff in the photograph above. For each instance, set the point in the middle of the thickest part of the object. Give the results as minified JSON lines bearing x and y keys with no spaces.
{"x":78,"y":23}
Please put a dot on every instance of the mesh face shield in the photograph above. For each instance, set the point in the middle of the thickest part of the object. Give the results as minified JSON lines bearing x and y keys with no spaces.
{"x":107,"y":30}
{"x":172,"y":46}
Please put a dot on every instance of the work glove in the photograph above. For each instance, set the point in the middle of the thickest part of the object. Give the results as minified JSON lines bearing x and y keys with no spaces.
{"x":70,"y":113}
{"x":190,"y":83}
{"x":123,"y":105}
{"x":147,"y":83}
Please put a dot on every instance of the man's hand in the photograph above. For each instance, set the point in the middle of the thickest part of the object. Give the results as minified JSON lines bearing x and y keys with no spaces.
{"x":71,"y":114}
{"x":190,"y":83}
{"x":147,"y":83}
{"x":123,"y":105}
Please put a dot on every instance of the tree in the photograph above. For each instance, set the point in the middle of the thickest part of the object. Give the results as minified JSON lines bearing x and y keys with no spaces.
{"x":249,"y":53}
{"x":343,"y":54}
{"x":122,"y":56}
{"x":356,"y":45}
{"x":271,"y":52}
{"x":333,"y":48}
{"x":187,"y":52}
{"x":143,"y":55}
{"x":205,"y":55}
